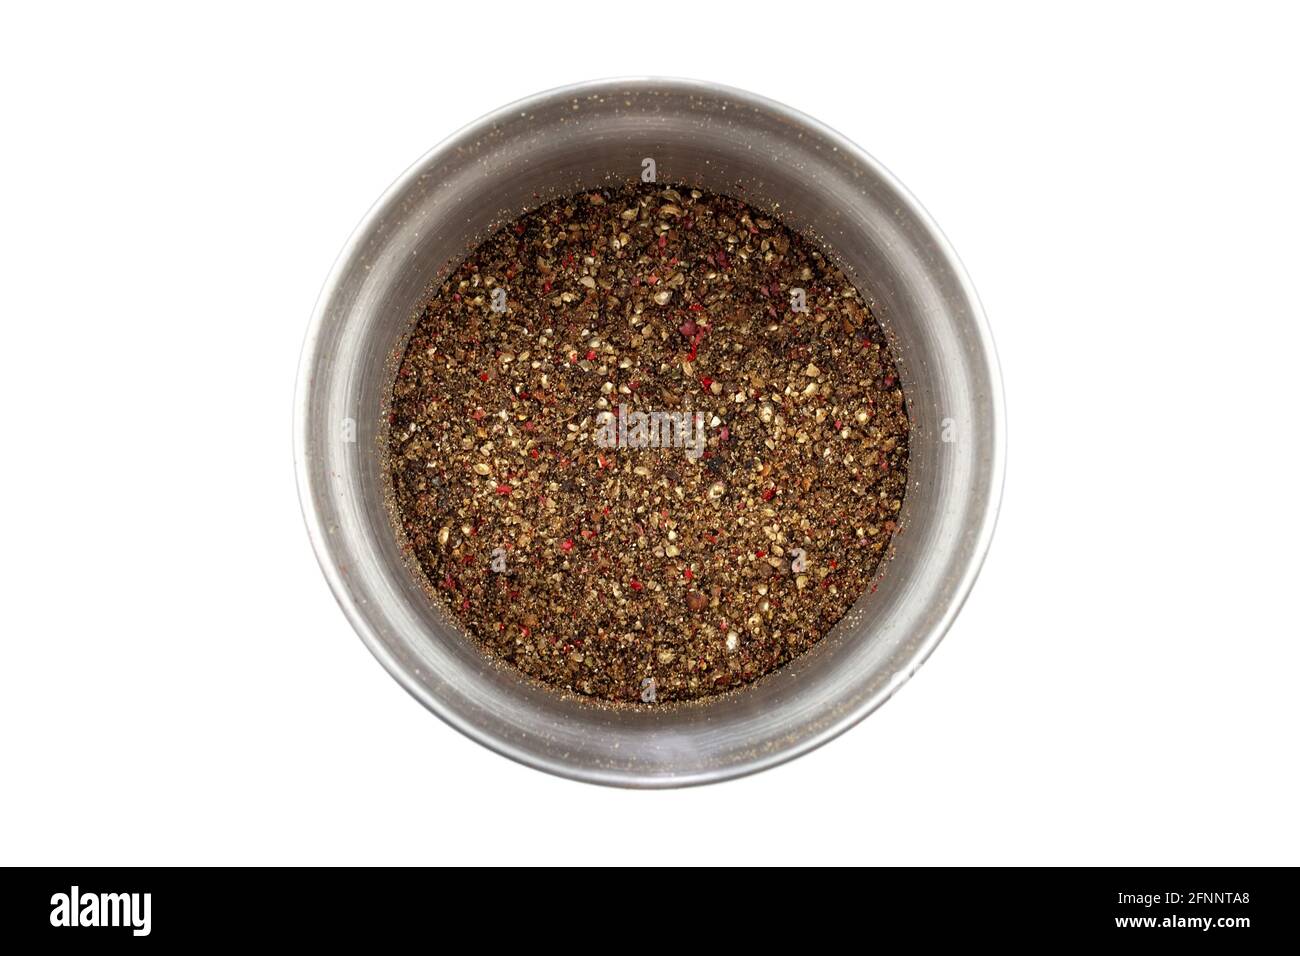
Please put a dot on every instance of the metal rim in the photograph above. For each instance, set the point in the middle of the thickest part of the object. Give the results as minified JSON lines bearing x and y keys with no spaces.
{"x":325,"y":554}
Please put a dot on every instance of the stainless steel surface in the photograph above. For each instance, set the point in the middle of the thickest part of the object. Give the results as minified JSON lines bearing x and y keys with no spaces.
{"x":720,"y":139}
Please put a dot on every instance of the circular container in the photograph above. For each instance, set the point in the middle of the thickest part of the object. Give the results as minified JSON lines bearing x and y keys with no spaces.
{"x":725,"y":141}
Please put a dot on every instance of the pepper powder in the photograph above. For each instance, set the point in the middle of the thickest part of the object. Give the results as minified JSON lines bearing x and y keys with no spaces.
{"x":647,"y":572}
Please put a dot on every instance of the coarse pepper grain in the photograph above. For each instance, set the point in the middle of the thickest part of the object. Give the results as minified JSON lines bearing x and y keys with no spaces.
{"x":645,"y":574}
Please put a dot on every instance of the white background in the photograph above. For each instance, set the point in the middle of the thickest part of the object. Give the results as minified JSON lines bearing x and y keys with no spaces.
{"x":176,"y":682}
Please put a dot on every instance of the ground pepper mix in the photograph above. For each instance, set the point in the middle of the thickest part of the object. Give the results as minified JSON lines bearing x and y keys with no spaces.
{"x":647,"y":574}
